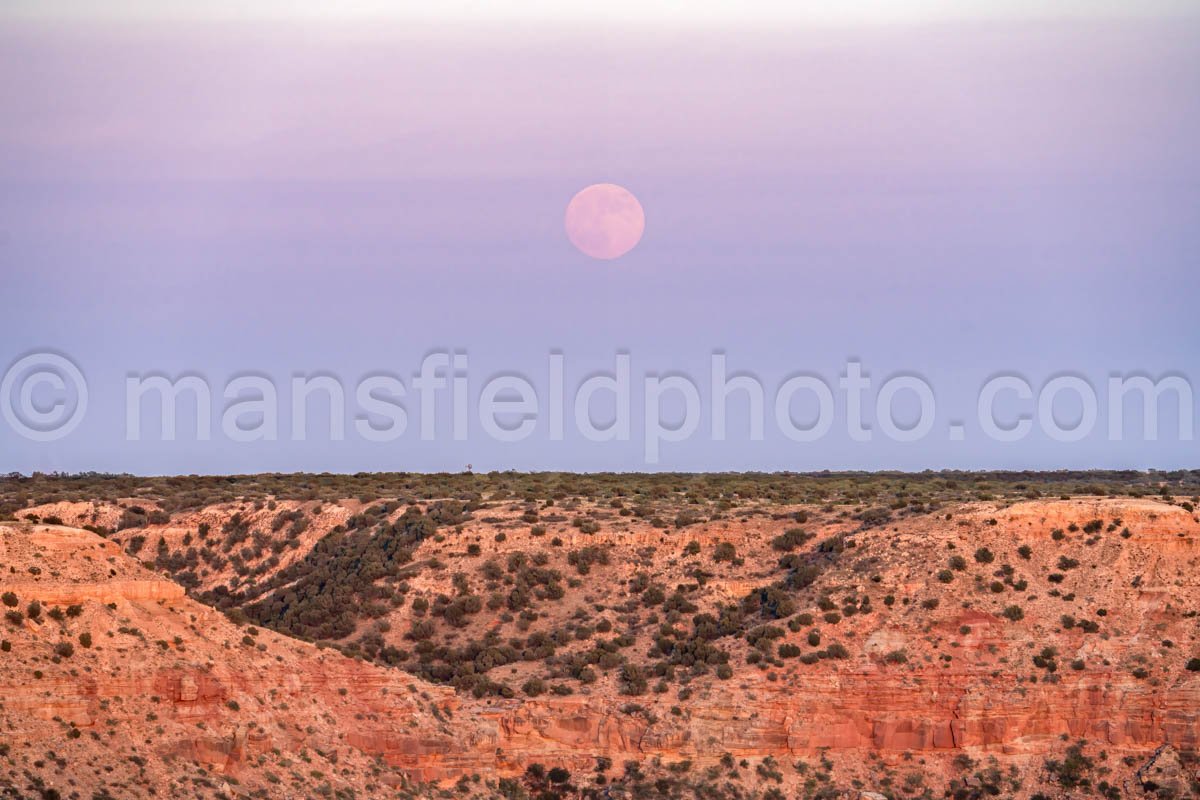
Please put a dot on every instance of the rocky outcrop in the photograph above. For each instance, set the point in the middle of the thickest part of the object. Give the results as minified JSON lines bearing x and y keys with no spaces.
{"x":65,"y":594}
{"x":848,"y":711}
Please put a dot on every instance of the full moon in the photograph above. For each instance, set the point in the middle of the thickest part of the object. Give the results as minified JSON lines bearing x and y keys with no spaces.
{"x":605,"y":221}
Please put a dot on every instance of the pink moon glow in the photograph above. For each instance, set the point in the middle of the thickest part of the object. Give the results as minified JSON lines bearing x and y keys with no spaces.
{"x":605,"y":221}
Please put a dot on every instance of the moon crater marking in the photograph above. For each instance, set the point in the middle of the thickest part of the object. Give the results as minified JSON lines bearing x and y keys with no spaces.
{"x":605,"y":221}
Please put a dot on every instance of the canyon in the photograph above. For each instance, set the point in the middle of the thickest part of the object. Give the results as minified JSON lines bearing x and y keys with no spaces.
{"x":935,"y":683}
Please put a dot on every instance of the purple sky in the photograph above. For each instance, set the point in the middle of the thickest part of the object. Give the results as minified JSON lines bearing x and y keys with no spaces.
{"x":948,"y":198}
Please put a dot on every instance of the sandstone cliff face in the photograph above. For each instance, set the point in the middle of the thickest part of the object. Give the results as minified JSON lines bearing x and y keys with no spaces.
{"x":855,"y":712}
{"x":158,"y":661}
{"x":224,"y":700}
{"x":969,"y":684}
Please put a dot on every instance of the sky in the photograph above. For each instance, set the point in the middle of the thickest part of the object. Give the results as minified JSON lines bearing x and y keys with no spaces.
{"x":953,"y":191}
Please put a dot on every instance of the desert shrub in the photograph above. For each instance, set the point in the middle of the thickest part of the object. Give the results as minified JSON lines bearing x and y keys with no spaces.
{"x":133,"y":517}
{"x":801,"y":574}
{"x":421,"y":630}
{"x":1014,"y":613}
{"x":770,"y":602}
{"x":725,"y":552}
{"x":984,"y":556}
{"x":1046,"y":659}
{"x":584,"y":558}
{"x":837,"y":650}
{"x":1072,"y":771}
{"x":586,"y":525}
{"x":790,"y":539}
{"x":833,"y":546}
{"x":633,"y":681}
{"x":873,"y":517}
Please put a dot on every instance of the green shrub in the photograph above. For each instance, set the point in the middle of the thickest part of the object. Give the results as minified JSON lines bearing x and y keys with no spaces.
{"x":724,"y":551}
{"x":790,"y":539}
{"x":837,"y":650}
{"x":1014,"y":613}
